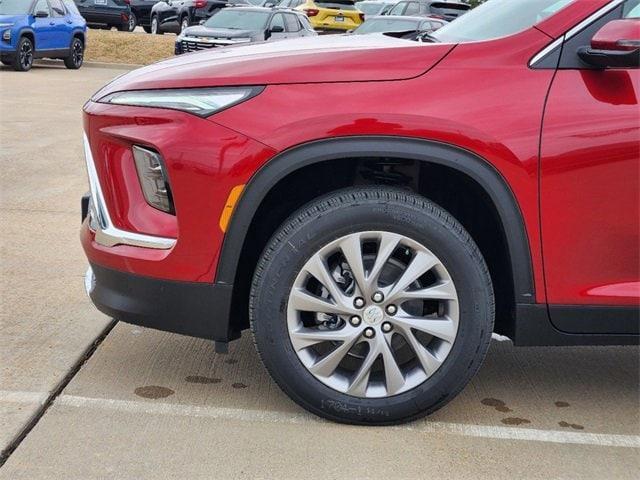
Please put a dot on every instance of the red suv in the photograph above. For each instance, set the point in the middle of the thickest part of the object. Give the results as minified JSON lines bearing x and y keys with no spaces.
{"x":374,"y":208}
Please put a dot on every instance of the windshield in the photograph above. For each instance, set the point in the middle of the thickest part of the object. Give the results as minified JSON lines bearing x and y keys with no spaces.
{"x":498,"y":18}
{"x":371,"y":8}
{"x":14,"y":7}
{"x":387,"y":25}
{"x":238,"y":20}
{"x":336,"y":4}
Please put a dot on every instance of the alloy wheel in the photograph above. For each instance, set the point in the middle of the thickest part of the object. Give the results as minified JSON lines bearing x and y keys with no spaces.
{"x":154,"y":25}
{"x":184,"y":24}
{"x":373,"y":314}
{"x":26,"y":55}
{"x":78,"y":53}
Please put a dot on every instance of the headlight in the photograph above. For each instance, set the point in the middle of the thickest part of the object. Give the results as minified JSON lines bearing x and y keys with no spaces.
{"x":6,"y":35}
{"x":199,"y":101}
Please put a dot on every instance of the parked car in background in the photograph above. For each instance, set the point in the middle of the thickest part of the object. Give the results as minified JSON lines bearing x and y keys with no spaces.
{"x":32,"y":29}
{"x":396,"y":24}
{"x":105,"y":13}
{"x":283,"y":3}
{"x":176,"y":15}
{"x":427,"y":8}
{"x":337,"y":15}
{"x":371,"y":212}
{"x":141,"y":14}
{"x":373,"y":8}
{"x":241,"y":25}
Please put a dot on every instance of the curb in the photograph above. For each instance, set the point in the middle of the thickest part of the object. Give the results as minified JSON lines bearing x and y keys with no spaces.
{"x":114,"y":66}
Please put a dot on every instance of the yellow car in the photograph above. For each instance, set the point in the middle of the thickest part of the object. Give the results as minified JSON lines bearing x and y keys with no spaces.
{"x":332,"y":14}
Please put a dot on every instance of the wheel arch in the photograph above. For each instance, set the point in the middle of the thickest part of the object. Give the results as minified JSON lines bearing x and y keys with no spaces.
{"x":362,"y":147}
{"x":29,"y":33}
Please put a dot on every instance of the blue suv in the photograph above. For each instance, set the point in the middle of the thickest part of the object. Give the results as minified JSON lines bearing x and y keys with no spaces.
{"x":41,"y":29}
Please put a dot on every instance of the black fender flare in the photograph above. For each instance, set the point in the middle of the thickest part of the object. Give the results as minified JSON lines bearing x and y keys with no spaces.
{"x":355,"y":147}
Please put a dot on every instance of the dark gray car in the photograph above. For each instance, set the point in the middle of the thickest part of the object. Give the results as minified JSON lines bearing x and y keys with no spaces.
{"x":242,"y":25}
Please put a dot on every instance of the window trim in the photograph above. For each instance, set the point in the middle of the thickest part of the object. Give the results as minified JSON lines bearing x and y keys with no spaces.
{"x":573,"y":31}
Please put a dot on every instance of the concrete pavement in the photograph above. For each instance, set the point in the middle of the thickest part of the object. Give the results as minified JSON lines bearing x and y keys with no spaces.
{"x":148,"y":404}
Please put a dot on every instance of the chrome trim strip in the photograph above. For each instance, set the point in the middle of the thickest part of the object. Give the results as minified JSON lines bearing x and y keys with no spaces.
{"x":594,"y":16}
{"x":545,"y":51}
{"x":106,"y":233}
{"x":574,"y":31}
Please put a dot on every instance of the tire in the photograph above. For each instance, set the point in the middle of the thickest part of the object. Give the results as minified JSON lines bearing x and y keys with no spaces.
{"x":147,"y":29}
{"x":155,"y":26}
{"x":184,"y":23}
{"x":76,"y":55}
{"x":402,"y":385}
{"x":133,"y":22}
{"x":23,"y":60}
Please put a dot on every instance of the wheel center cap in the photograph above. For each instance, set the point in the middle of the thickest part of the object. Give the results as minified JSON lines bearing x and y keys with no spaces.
{"x":373,"y":315}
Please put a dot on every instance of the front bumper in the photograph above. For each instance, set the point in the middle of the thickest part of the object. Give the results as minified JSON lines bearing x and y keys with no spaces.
{"x":190,"y":308}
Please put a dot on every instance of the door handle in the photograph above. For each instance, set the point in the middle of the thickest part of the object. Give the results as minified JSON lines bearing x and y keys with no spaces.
{"x":69,"y":22}
{"x":52,"y":23}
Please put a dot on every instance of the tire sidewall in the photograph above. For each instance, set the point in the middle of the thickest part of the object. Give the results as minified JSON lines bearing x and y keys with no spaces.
{"x":447,"y":242}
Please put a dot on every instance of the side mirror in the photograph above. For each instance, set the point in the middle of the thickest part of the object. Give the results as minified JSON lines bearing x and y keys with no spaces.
{"x":201,"y":22}
{"x":277,"y":29}
{"x":41,"y":14}
{"x":615,"y":45}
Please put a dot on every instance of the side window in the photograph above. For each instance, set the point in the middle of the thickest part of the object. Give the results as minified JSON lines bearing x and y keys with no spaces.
{"x":277,"y":21}
{"x":293,"y":25}
{"x":57,"y":8}
{"x":71,"y":7}
{"x":413,"y":8}
{"x":631,"y":9}
{"x":41,"y":6}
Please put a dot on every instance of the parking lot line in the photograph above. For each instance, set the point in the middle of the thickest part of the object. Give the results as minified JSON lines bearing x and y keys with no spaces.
{"x":247,"y":415}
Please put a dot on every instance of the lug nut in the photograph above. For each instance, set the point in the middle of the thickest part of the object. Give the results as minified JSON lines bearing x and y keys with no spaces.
{"x":392,"y":309}
{"x":369,"y":332}
{"x":387,"y":327}
{"x":358,"y":302}
{"x":377,"y":297}
{"x":355,"y":320}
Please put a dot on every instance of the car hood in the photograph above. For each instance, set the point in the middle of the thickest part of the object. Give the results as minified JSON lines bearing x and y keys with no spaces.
{"x":9,"y":19}
{"x":335,"y":58}
{"x":217,"y":32}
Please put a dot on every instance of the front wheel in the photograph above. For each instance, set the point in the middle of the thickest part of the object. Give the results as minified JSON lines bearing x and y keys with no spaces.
{"x":146,"y":28}
{"x":24,"y":56}
{"x":76,"y":55}
{"x":133,"y":22}
{"x":155,"y":26}
{"x":372,"y":306}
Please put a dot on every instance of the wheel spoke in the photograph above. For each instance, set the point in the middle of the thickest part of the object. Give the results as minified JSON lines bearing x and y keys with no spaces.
{"x":352,"y":250}
{"x":394,"y":378}
{"x":388,"y":244}
{"x":427,"y":360}
{"x":306,"y":337}
{"x":421,"y":263}
{"x":442,"y":328}
{"x":360,"y":380}
{"x":444,"y":290}
{"x":328,"y":364}
{"x":318,"y":268}
{"x":306,"y":302}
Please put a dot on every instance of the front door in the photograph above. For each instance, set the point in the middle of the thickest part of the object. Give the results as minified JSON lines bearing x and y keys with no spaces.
{"x":589,"y":191}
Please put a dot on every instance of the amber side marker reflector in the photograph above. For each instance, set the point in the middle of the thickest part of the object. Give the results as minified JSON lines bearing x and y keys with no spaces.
{"x":227,"y":211}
